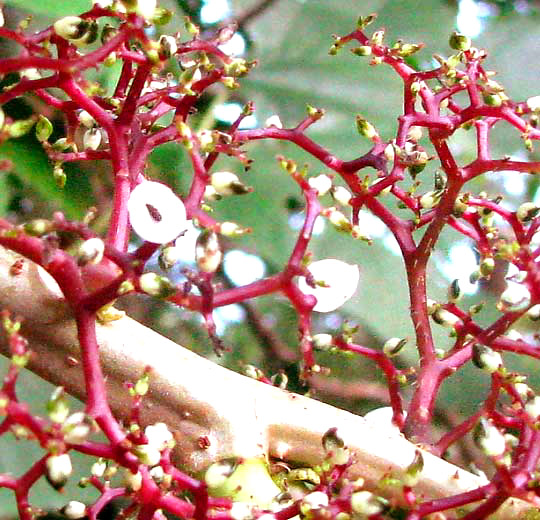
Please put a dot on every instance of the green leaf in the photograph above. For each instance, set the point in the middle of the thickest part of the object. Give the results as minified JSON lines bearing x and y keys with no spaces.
{"x":52,"y":8}
{"x":32,"y":167}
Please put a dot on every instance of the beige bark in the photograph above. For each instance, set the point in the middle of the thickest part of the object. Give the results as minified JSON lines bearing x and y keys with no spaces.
{"x":197,"y":398}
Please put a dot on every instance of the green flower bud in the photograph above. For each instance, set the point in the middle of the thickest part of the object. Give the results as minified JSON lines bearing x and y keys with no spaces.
{"x":492,"y":100}
{"x":147,"y":454}
{"x":487,"y":265}
{"x":44,"y":128}
{"x":414,"y":470}
{"x":459,"y":42}
{"x":38,"y":227}
{"x":59,"y":175}
{"x":365,"y":128}
{"x":20,"y":127}
{"x":58,"y":406}
{"x":161,"y":16}
{"x":363,"y":50}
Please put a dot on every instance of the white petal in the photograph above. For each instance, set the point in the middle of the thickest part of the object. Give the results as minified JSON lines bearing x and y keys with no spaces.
{"x":172,"y":213}
{"x":341,"y":278}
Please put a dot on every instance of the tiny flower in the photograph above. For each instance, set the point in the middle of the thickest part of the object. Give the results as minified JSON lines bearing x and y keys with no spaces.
{"x":414,"y":469}
{"x":147,"y":454}
{"x":167,"y":45}
{"x":527,"y":211}
{"x":208,"y":252}
{"x":322,"y":341}
{"x":341,"y":195}
{"x":91,"y":251}
{"x":74,"y":510}
{"x":77,"y":30}
{"x":532,"y":407}
{"x":459,"y":42}
{"x":241,"y":511}
{"x":489,"y":438}
{"x":59,"y":469}
{"x":515,"y":297}
{"x":273,"y":121}
{"x":335,"y":448}
{"x":132,"y":481}
{"x":444,"y":317}
{"x":155,"y":285}
{"x":76,"y":428}
{"x":58,"y":406}
{"x":92,"y":139}
{"x":44,"y":128}
{"x":322,"y":183}
{"x":231,"y":229}
{"x":486,"y":358}
{"x":315,"y":500}
{"x":98,"y":468}
{"x":337,"y":282}
{"x":159,"y":436}
{"x":393,"y":346}
{"x":227,"y":183}
{"x":534,"y":103}
{"x":366,"y":503}
{"x":169,"y":256}
{"x":365,"y":128}
{"x":156,"y":213}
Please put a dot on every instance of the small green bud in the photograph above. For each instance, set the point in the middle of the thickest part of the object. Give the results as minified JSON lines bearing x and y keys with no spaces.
{"x":377,"y":37}
{"x":414,"y":470}
{"x":20,"y":127}
{"x":459,"y":42}
{"x":147,"y":454}
{"x":38,"y":227}
{"x":142,"y":385}
{"x":161,"y":16}
{"x":59,"y":175}
{"x":430,"y":199}
{"x":315,"y":113}
{"x":191,"y":28}
{"x":334,"y":446}
{"x":365,"y":128}
{"x":454,"y":291}
{"x":487,"y":265}
{"x":44,"y":128}
{"x":58,"y":406}
{"x":362,"y":50}
{"x":492,"y":100}
{"x":364,"y":21}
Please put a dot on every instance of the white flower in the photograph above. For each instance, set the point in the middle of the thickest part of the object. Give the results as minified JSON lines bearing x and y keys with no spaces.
{"x":159,"y":436}
{"x":534,"y":103}
{"x":341,"y":280}
{"x":156,"y":213}
{"x":322,"y":183}
{"x":273,"y":121}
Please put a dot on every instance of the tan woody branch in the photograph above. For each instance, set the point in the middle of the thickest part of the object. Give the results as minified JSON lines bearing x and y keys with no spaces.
{"x":197,"y":398}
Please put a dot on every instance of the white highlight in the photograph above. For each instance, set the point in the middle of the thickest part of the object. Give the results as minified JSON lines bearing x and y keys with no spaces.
{"x":156,"y":214}
{"x":243,"y":268}
{"x":341,"y":278}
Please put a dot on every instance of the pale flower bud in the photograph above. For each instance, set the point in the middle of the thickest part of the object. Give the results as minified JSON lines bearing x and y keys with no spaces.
{"x":322,"y":183}
{"x":156,"y":213}
{"x":393,"y":346}
{"x":159,"y":436}
{"x":337,"y":283}
{"x":366,"y":503}
{"x":59,"y":469}
{"x":534,"y":103}
{"x":74,"y":510}
{"x":227,"y":183}
{"x":76,"y":428}
{"x":489,"y":439}
{"x":322,"y":341}
{"x":486,"y":358}
{"x":515,"y":297}
{"x":315,"y":500}
{"x":341,"y":195}
{"x":532,"y":407}
{"x":208,"y":252}
{"x":132,"y":481}
{"x":155,"y":285}
{"x":147,"y":454}
{"x":92,"y":139}
{"x":91,"y":251}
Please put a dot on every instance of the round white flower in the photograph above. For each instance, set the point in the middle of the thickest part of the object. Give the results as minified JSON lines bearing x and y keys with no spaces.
{"x":340,"y":280}
{"x":156,"y":214}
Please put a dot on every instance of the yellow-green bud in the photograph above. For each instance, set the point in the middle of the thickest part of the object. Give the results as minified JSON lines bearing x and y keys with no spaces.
{"x":44,"y":128}
{"x":58,"y":406}
{"x":393,"y":346}
{"x":155,"y":285}
{"x":208,"y":252}
{"x":486,"y":358}
{"x":365,"y":128}
{"x":459,"y":41}
{"x":20,"y":127}
{"x":527,"y":211}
